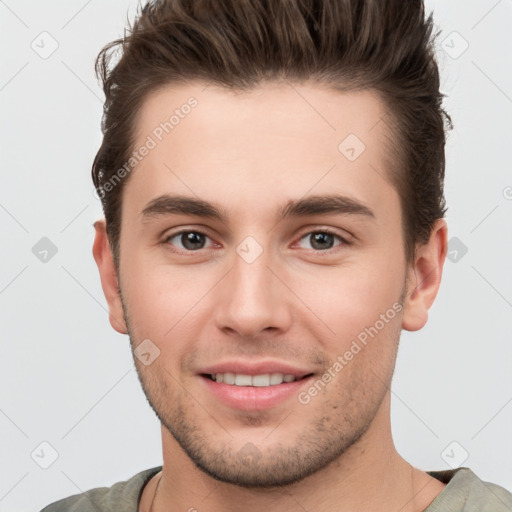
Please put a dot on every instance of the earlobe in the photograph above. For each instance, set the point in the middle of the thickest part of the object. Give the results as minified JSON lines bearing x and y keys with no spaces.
{"x":424,"y":278}
{"x":109,"y":282}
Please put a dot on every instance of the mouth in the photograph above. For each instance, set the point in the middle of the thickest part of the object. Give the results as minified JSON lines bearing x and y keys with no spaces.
{"x":254,"y":392}
{"x":261,"y":381}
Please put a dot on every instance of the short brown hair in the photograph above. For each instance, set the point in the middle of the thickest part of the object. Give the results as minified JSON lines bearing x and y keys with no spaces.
{"x":386,"y":46}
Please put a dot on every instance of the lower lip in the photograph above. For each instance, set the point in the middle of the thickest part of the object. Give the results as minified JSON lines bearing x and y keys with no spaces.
{"x":254,"y":398}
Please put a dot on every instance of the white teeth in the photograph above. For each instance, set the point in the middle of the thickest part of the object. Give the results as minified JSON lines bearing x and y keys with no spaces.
{"x":229,"y":378}
{"x":276,"y":378}
{"x":261,"y":380}
{"x":243,"y":380}
{"x":240,"y":379}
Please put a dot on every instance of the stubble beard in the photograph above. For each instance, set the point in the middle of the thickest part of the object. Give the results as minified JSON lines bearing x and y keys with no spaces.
{"x":331,"y":433}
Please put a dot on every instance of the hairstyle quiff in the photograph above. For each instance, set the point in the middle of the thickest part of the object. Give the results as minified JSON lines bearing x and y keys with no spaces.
{"x":347,"y":45}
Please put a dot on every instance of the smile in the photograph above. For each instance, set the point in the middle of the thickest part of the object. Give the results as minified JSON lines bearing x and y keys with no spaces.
{"x":263,"y":380}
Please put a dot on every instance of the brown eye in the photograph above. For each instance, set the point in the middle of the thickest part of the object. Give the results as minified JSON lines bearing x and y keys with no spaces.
{"x":189,"y":240}
{"x":323,"y":240}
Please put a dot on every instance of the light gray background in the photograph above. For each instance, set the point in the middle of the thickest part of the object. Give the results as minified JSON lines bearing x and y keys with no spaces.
{"x":67,"y":378}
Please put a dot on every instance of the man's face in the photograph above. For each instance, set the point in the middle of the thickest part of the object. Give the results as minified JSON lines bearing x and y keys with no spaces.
{"x":256,"y":294}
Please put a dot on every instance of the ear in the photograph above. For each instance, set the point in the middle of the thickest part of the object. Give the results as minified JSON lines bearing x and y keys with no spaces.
{"x":424,"y":277}
{"x":109,"y":282}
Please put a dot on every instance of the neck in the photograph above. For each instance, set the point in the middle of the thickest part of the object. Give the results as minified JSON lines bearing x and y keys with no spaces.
{"x":369,"y":476}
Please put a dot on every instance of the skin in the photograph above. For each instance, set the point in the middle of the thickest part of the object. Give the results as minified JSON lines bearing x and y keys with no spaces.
{"x":250,"y":153}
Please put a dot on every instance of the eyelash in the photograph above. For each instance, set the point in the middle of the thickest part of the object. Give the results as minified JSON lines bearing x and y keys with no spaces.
{"x":329,"y":231}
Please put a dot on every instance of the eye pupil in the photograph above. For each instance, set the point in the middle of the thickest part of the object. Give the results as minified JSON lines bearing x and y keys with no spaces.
{"x":191,"y":239}
{"x":322,"y":238}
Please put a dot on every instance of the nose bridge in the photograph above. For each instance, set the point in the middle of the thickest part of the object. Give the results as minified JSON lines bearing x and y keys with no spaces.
{"x":252,"y":298}
{"x":252,"y":279}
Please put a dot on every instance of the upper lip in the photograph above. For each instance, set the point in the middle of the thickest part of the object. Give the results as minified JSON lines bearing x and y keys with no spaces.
{"x":254,"y":368}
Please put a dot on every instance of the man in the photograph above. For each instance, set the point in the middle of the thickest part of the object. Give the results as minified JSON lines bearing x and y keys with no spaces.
{"x":272,"y":180}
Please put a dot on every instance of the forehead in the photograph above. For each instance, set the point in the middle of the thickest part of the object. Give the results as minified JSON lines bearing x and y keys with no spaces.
{"x":284,"y":109}
{"x":220,"y":144}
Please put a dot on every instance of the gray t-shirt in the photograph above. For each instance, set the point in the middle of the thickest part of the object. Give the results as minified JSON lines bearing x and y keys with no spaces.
{"x":464,"y":492}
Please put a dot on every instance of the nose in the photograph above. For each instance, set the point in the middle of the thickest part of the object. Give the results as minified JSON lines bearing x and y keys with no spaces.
{"x":252,"y":299}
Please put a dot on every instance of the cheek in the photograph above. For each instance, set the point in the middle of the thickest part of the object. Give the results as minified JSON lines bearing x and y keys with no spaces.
{"x":351,"y":297}
{"x":164,"y":300}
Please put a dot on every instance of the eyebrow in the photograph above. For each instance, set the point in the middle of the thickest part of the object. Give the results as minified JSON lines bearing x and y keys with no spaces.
{"x":308,"y":206}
